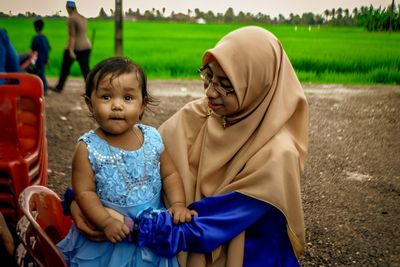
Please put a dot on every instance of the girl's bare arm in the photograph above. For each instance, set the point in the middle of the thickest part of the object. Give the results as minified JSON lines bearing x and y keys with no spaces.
{"x":84,"y":187}
{"x":174,"y":190}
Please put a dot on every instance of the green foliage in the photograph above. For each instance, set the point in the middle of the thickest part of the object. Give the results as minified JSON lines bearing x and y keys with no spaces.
{"x":174,"y":50}
{"x":380,"y":19}
{"x":102,"y":14}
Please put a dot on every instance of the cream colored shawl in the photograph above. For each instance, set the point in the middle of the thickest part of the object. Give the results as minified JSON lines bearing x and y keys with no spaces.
{"x":262,"y":154}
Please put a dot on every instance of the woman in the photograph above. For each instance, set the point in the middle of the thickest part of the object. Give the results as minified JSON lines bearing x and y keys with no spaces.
{"x":240,"y":151}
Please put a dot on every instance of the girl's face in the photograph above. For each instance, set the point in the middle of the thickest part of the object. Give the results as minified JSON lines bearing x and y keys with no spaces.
{"x":117,"y":106}
{"x":221,"y":104}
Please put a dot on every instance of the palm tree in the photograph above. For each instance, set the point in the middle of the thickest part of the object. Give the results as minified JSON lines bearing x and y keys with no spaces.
{"x":339,"y":13}
{"x":346,"y":13}
{"x":327,"y":13}
{"x":291,"y":16}
{"x":347,"y":20}
{"x":281,"y":19}
{"x":355,"y":12}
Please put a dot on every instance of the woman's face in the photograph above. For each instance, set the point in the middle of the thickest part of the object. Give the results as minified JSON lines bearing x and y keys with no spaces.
{"x":216,"y":83}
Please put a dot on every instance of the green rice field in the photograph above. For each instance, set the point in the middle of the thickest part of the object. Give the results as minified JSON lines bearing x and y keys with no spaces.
{"x":342,"y":55}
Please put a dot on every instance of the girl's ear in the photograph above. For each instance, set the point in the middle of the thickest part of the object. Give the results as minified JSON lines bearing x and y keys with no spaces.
{"x":145,"y":101}
{"x":89,"y":104}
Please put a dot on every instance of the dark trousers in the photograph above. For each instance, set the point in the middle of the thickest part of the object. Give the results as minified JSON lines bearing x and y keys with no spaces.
{"x":83,"y":60}
{"x":39,"y":71}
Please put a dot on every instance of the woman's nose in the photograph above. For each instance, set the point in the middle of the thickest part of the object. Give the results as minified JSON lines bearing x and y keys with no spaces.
{"x":210,"y":91}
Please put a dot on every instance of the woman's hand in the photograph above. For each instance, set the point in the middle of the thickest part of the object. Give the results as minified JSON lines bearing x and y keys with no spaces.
{"x":115,"y":214}
{"x":84,"y":226}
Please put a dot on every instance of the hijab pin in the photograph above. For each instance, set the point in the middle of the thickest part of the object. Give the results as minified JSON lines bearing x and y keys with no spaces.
{"x":209,"y":111}
{"x":224,"y":122}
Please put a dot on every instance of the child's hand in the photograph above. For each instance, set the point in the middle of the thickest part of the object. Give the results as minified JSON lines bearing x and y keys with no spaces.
{"x":115,"y":230}
{"x":181,"y":214}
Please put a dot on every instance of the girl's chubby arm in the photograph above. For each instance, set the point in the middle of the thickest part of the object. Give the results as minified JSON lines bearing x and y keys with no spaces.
{"x":174,"y":190}
{"x":84,"y":187}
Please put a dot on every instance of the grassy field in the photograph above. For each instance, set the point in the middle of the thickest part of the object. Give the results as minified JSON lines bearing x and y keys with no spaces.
{"x":345,"y":55}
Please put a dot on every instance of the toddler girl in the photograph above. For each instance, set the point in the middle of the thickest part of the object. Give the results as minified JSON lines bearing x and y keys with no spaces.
{"x":121,"y":165}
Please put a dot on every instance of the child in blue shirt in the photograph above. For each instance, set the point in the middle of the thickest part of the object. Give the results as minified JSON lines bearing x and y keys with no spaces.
{"x":41,"y":46}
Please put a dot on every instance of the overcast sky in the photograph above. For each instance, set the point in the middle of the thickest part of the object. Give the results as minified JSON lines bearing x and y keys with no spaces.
{"x":91,"y":8}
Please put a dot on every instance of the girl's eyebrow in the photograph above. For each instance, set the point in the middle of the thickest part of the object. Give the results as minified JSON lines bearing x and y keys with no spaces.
{"x":130,"y":88}
{"x":104,"y":88}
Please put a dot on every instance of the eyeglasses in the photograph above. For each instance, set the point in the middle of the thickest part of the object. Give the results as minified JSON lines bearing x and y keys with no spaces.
{"x":207,"y":75}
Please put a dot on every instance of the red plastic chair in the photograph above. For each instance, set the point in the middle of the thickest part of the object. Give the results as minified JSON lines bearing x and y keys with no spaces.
{"x":23,"y":145}
{"x":43,"y":225}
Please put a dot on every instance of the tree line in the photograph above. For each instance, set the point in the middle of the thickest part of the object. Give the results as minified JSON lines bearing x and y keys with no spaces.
{"x":373,"y":19}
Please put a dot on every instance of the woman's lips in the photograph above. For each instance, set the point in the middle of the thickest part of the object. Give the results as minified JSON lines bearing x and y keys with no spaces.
{"x":214,"y":106}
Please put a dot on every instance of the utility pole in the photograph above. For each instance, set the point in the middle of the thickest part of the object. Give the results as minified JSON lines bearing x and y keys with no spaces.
{"x":118,"y":27}
{"x":391,"y":16}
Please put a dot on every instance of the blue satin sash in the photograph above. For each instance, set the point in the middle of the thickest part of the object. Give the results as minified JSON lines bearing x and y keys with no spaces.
{"x":220,"y":219}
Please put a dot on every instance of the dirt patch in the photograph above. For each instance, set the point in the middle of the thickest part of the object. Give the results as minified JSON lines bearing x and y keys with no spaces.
{"x":351,"y":185}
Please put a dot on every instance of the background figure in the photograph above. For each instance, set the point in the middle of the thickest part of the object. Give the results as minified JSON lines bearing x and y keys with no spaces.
{"x":78,"y":47}
{"x":41,"y":46}
{"x":9,"y":60}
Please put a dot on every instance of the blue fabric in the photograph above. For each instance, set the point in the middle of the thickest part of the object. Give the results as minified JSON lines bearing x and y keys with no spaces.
{"x":111,"y":168}
{"x":41,"y":45}
{"x":220,"y":219}
{"x":9,"y":60}
{"x":112,"y":189}
{"x":68,"y":197}
{"x":70,"y":4}
{"x":40,"y":71}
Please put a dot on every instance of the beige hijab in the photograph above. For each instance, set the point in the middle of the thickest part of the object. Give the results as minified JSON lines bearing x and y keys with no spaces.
{"x":261,"y":154}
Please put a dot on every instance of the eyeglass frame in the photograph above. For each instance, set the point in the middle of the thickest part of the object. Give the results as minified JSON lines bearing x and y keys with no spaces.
{"x":217,"y":86}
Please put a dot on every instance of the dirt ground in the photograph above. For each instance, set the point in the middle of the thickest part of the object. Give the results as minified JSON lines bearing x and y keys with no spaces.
{"x":351,"y":184}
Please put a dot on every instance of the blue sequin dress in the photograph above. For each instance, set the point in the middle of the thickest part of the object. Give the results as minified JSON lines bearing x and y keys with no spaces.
{"x":129,"y":182}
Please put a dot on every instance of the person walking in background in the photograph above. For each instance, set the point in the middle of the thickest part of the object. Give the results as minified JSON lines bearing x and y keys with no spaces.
{"x":41,"y":46}
{"x":9,"y":60}
{"x":78,"y":46}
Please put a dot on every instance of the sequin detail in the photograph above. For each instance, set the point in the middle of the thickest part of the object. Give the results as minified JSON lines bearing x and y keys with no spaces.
{"x":110,"y":185}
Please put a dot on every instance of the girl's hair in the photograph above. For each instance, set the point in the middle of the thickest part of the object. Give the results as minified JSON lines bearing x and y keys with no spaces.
{"x":112,"y":68}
